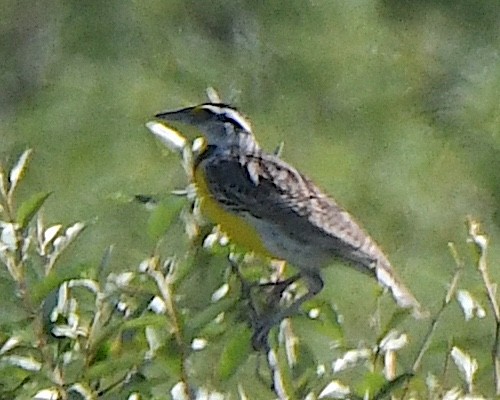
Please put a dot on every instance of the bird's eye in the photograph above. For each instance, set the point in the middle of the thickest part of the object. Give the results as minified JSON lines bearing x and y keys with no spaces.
{"x":235,"y":119}
{"x":225,"y":119}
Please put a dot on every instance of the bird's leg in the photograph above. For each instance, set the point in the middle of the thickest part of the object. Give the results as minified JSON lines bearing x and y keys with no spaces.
{"x":279,"y":287}
{"x":281,"y":284}
{"x":264,"y":325}
{"x":246,"y":290}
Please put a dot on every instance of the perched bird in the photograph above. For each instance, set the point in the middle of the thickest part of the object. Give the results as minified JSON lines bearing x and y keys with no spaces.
{"x":266,"y":205}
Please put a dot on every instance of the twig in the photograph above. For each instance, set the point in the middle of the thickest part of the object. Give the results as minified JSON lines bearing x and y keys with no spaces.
{"x":481,"y":242}
{"x":434,"y":323}
{"x":446,"y":301}
{"x":164,"y":284}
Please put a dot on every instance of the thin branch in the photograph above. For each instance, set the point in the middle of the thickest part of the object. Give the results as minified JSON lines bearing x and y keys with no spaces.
{"x":449,"y":295}
{"x":164,"y":284}
{"x":434,"y":323}
{"x":481,"y":242}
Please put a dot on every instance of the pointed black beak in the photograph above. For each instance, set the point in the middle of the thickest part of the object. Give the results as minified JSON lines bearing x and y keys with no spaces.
{"x":184,"y":115}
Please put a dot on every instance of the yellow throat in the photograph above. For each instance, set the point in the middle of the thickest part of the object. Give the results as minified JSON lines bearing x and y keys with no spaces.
{"x":235,"y":227}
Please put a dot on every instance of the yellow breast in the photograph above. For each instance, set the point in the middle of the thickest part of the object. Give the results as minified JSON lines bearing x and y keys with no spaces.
{"x":235,"y":227}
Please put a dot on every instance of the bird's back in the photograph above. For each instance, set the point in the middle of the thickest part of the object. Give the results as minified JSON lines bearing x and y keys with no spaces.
{"x":289,"y":217}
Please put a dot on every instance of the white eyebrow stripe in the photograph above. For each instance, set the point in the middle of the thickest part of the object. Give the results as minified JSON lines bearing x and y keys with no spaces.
{"x":230,"y":114}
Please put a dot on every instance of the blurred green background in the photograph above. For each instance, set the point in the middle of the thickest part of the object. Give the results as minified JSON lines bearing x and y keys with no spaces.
{"x":391,"y":106}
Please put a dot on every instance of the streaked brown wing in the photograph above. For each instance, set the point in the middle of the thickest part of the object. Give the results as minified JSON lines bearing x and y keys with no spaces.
{"x":268,"y":188}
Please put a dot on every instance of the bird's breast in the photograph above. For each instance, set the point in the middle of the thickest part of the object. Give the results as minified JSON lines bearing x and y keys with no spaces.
{"x":235,"y":226}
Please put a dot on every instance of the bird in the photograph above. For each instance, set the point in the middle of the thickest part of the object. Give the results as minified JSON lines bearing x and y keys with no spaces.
{"x":264,"y":204}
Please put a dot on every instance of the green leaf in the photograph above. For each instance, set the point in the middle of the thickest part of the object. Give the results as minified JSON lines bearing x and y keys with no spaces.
{"x":163,"y":214}
{"x":330,"y":325}
{"x":41,"y":289}
{"x":235,"y":353}
{"x":203,"y":318}
{"x":114,"y":365}
{"x":153,"y":320}
{"x":103,"y":269}
{"x":391,"y":386}
{"x":30,"y":207}
{"x":108,"y":333}
{"x":104,"y":338}
{"x":287,"y":381}
{"x":397,"y":317}
{"x":372,"y":382}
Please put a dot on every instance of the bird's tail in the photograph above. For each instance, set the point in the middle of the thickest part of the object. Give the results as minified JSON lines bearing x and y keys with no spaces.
{"x":388,"y":278}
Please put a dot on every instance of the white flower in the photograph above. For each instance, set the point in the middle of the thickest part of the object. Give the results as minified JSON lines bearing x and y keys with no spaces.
{"x":335,"y":390}
{"x":470,"y":306}
{"x":466,"y":364}
{"x":350,"y":359}
{"x":157,"y":305}
{"x":198,"y":344}
{"x":393,"y":342}
{"x":220,"y":293}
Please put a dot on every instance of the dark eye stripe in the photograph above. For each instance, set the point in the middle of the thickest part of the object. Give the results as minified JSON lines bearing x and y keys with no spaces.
{"x":226,"y":118}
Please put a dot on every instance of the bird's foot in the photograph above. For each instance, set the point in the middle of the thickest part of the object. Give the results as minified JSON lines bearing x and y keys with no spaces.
{"x":260,"y":337}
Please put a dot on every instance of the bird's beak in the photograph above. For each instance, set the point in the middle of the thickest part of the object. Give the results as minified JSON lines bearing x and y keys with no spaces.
{"x":185,"y":115}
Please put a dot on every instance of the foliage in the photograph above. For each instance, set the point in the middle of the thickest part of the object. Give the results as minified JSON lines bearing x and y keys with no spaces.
{"x":84,"y":332}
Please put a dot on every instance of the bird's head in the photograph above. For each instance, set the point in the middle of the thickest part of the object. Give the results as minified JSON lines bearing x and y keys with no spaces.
{"x":222,"y":125}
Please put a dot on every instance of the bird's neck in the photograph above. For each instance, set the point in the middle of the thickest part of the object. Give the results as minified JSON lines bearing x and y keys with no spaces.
{"x":247,"y":143}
